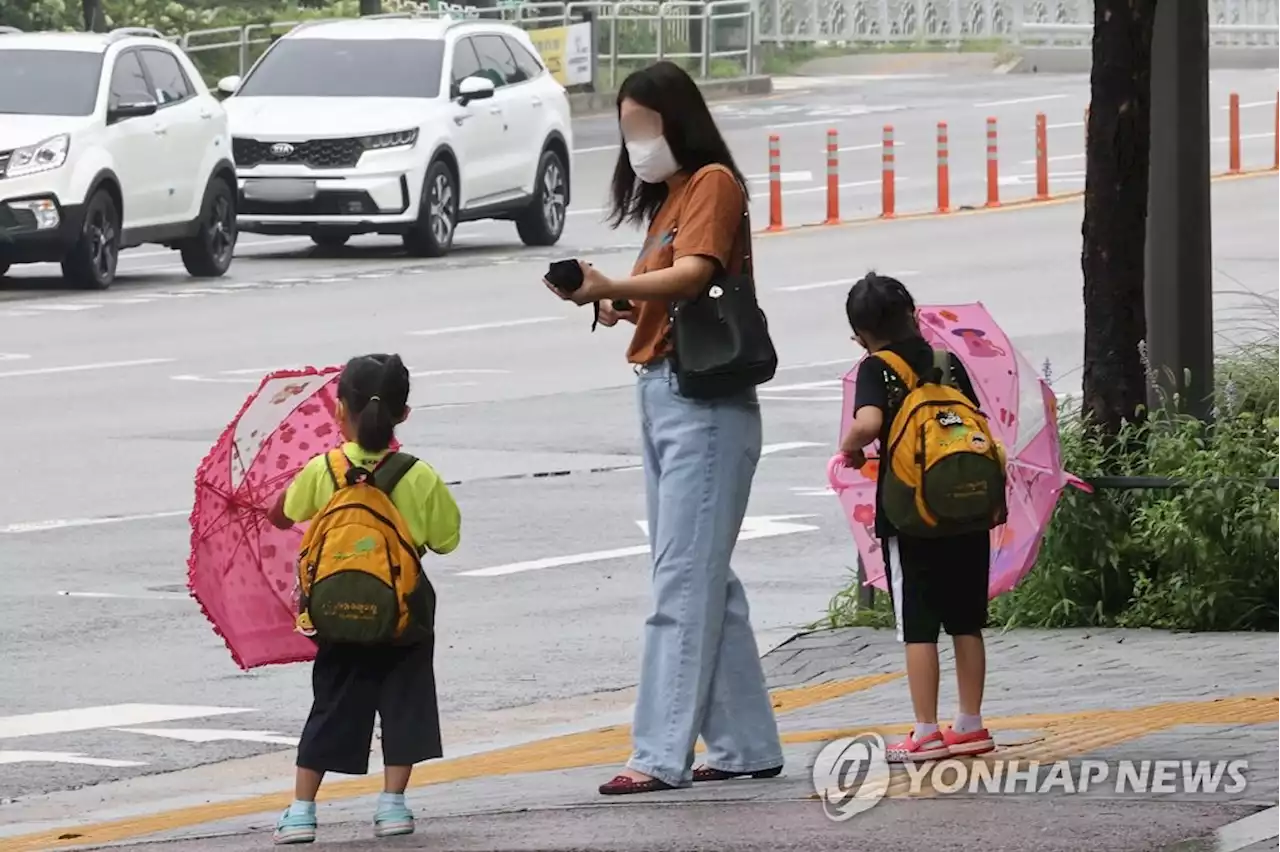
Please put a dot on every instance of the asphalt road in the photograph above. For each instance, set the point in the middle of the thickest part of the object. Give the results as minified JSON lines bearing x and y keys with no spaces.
{"x":111,"y":407}
{"x":801,"y":112}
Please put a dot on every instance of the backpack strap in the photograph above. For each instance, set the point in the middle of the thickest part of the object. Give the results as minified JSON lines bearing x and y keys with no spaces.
{"x":337,"y":463}
{"x":900,"y":367}
{"x":392,"y":468}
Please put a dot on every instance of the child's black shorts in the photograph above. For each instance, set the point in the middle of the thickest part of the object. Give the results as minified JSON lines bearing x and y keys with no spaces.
{"x":938,"y":584}
{"x":351,"y":683}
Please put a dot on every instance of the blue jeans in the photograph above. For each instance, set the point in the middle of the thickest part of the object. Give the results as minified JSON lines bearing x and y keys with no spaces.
{"x":701,"y":672}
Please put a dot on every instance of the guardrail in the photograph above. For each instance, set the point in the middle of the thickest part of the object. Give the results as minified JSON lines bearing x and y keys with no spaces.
{"x":954,"y":22}
{"x":711,"y":39}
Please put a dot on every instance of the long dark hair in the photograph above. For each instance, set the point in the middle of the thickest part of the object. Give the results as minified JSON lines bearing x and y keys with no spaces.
{"x":690,"y":131}
{"x":375,"y":390}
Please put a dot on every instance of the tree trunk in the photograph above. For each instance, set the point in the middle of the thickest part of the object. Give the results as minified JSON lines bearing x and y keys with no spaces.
{"x":94,"y":19}
{"x":1117,"y":153}
{"x":370,"y":7}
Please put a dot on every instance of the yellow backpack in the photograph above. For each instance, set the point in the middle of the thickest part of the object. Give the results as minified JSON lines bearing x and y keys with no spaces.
{"x":360,"y":580}
{"x":946,"y":471}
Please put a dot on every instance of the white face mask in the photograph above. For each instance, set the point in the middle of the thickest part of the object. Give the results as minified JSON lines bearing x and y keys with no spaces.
{"x":652,"y":160}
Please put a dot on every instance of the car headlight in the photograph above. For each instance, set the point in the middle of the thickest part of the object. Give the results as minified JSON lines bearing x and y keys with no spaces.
{"x":399,"y":139}
{"x":40,"y":157}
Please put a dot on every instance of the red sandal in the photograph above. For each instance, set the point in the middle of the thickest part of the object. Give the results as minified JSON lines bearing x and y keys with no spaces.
{"x":706,"y":773}
{"x":622,"y":785}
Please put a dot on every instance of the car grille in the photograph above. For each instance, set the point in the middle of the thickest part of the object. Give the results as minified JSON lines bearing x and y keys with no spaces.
{"x":4,"y":161}
{"x":316,"y":153}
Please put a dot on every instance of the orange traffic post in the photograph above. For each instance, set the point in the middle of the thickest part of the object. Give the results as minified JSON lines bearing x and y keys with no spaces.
{"x":886,"y":175}
{"x":833,"y":179}
{"x":993,"y":166}
{"x":1042,"y":158}
{"x":944,"y":171}
{"x":1278,"y":131}
{"x":1275,"y":162}
{"x":1234,"y":134}
{"x":775,"y":185}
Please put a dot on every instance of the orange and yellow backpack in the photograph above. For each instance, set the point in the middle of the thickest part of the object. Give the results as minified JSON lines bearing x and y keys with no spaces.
{"x":946,"y":471}
{"x":360,"y":579}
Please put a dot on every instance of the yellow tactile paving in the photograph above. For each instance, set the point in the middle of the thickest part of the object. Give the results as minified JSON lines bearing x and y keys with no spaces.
{"x":603,"y":747}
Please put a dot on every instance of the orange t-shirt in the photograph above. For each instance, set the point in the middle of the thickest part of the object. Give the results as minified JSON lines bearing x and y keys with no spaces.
{"x":702,"y":216}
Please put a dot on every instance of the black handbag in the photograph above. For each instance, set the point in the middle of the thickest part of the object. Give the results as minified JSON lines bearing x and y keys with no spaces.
{"x":720,"y":339}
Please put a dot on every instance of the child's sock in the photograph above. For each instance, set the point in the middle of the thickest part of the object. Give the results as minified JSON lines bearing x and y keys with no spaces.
{"x":923,"y":730}
{"x":966,"y":724}
{"x":302,"y":809}
{"x":391,"y":800}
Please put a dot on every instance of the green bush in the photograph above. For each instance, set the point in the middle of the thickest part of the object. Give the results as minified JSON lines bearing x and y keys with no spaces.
{"x":1203,"y":557}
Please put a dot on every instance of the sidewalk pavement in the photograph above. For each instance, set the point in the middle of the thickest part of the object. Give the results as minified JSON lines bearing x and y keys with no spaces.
{"x":1100,"y":694}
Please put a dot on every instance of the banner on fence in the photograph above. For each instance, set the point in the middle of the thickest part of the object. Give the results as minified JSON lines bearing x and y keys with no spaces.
{"x":566,"y":51}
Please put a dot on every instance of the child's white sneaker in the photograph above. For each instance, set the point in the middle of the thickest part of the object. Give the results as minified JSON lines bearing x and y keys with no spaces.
{"x":393,"y":817}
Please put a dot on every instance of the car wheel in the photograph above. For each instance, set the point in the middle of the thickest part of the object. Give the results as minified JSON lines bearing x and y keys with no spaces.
{"x":91,"y":263}
{"x":432,"y":234}
{"x":542,"y":222}
{"x":209,"y":253}
{"x":330,"y":239}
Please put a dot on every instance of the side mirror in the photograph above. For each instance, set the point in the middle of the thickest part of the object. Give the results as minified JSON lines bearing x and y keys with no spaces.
{"x":474,"y":89}
{"x":229,"y":85}
{"x":134,"y":109}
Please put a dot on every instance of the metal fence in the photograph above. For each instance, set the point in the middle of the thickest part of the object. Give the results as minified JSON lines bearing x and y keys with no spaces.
{"x":711,"y":39}
{"x":1063,"y":22}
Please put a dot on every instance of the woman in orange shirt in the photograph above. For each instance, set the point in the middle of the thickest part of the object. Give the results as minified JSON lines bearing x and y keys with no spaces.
{"x":701,"y":672}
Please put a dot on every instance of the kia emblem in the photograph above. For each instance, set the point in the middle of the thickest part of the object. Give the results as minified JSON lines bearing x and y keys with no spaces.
{"x":281,"y":149}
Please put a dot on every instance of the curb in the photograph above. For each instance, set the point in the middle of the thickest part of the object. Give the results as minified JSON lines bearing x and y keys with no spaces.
{"x":974,"y":210}
{"x":593,"y":103}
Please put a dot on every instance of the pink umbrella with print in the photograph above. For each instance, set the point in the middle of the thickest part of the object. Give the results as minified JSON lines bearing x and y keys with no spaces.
{"x":1023,"y":414}
{"x":241,"y":569}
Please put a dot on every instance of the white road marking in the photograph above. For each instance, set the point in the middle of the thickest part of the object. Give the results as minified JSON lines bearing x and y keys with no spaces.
{"x":76,"y":368}
{"x":63,"y":757}
{"x":106,"y":716}
{"x":116,"y":596}
{"x":225,"y":380}
{"x":1222,"y":140}
{"x":483,"y":326}
{"x":810,"y":491}
{"x":785,"y":177}
{"x":825,"y":383}
{"x":770,"y":449}
{"x":1016,"y":101}
{"x":213,"y":735}
{"x":596,"y":149}
{"x":872,"y":146}
{"x":424,"y":373}
{"x":1250,"y":105}
{"x":837,"y":282}
{"x":13,"y":356}
{"x":1058,"y":158}
{"x":768,"y":398}
{"x":67,"y":307}
{"x":762,"y":526}
{"x":43,"y":526}
{"x":1064,"y":125}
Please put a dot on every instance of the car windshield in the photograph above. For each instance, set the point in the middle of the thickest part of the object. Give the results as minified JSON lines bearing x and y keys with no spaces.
{"x":49,"y":82}
{"x":338,"y":68}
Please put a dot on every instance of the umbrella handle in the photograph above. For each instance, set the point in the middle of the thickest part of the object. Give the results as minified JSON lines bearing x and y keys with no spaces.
{"x":834,"y":466}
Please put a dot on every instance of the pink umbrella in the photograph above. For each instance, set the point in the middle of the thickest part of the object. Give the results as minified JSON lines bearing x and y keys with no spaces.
{"x":241,"y":569}
{"x":1023,"y":415}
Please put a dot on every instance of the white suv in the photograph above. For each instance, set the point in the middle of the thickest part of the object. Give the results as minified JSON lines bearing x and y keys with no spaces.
{"x":401,"y":126}
{"x":109,"y":141}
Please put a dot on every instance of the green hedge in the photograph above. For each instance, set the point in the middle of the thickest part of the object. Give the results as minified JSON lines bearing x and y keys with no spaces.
{"x":1200,"y":558}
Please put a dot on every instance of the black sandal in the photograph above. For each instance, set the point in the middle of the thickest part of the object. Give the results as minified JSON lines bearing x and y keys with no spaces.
{"x":706,"y":773}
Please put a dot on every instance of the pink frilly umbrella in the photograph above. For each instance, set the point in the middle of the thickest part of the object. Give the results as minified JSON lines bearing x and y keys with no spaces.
{"x":242,"y":569}
{"x":1022,"y":411}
